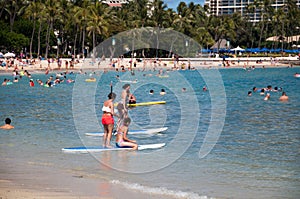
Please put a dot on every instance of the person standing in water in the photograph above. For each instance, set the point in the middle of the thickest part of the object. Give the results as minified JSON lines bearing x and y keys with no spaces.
{"x":284,"y":97}
{"x":122,"y":105}
{"x":7,"y":124}
{"x":108,"y":119}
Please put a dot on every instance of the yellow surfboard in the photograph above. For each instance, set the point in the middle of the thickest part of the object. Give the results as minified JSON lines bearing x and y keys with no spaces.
{"x":145,"y":103}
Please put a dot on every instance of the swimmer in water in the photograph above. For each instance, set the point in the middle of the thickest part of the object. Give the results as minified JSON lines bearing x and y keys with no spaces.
{"x":267,"y":97}
{"x":283,"y":97}
{"x":162,"y":92}
{"x":7,"y":124}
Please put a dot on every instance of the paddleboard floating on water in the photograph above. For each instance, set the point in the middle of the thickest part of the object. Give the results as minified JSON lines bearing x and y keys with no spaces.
{"x":129,"y":81}
{"x":91,"y":80}
{"x":147,"y":103}
{"x":83,"y":149}
{"x":134,"y":132}
{"x":144,"y":103}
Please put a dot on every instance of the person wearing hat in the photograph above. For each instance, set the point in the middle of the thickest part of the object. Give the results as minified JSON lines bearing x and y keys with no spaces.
{"x":31,"y":83}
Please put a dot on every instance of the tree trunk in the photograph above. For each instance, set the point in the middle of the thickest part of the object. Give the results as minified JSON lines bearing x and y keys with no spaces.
{"x":31,"y":40}
{"x":47,"y":41}
{"x":83,"y":40}
{"x":39,"y":39}
{"x":12,"y":20}
{"x":261,"y":32}
{"x":94,"y":50}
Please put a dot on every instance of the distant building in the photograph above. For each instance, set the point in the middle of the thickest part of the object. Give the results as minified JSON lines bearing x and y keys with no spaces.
{"x":115,"y":3}
{"x":227,"y":7}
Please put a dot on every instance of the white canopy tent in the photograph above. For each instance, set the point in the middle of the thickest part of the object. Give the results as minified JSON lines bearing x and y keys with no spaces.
{"x":238,"y":49}
{"x":9,"y":54}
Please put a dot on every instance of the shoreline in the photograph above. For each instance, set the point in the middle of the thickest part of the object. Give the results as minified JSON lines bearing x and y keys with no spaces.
{"x":38,"y":181}
{"x":152,"y":64}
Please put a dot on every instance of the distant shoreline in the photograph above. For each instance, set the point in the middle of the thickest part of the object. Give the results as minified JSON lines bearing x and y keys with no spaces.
{"x":163,"y":63}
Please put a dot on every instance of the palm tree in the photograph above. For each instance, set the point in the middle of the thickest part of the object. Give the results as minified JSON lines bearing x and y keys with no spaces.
{"x":97,"y":23}
{"x":221,"y":27}
{"x":53,"y":12}
{"x":158,"y":19}
{"x":82,"y":14}
{"x":32,"y":11}
{"x":14,"y":8}
{"x":2,"y":7}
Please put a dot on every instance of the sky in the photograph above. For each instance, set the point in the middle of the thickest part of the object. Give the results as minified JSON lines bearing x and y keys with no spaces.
{"x":174,"y":3}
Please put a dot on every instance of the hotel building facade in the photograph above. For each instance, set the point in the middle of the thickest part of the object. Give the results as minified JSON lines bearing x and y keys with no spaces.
{"x":227,"y":7}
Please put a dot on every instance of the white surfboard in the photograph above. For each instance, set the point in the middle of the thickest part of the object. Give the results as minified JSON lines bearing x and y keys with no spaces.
{"x":129,"y":81}
{"x":134,"y":132}
{"x":83,"y":149}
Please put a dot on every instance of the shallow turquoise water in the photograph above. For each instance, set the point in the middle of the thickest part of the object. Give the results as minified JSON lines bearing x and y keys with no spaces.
{"x":256,"y":154}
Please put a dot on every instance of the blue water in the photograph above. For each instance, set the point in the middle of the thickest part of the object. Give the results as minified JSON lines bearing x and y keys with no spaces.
{"x":251,"y":146}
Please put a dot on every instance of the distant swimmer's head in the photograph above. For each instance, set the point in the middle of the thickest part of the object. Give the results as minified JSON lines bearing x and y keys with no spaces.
{"x":112,"y":96}
{"x":7,"y":121}
{"x":151,"y":92}
{"x":162,"y":92}
{"x":249,"y":93}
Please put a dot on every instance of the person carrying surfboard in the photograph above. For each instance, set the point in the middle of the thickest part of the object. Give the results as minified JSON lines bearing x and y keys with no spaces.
{"x":108,"y":119}
{"x":121,"y":138}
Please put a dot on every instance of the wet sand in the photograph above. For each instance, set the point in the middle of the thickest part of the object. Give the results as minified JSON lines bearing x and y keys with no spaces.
{"x":38,"y":181}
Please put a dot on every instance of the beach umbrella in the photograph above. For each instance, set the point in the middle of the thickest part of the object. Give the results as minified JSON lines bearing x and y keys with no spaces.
{"x":9,"y":54}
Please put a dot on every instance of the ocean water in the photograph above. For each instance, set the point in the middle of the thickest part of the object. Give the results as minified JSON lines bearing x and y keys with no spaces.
{"x":220,"y":143}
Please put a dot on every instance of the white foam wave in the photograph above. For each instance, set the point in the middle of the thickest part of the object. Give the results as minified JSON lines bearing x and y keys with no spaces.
{"x":159,"y":190}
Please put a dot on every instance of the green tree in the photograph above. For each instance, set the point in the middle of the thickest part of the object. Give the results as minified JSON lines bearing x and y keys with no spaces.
{"x":97,"y":22}
{"x":32,"y":12}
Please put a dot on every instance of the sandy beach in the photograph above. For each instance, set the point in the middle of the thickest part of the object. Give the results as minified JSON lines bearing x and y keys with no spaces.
{"x":148,"y":64}
{"x":38,"y":181}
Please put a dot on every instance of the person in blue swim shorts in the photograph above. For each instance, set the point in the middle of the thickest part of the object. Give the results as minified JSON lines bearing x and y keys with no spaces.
{"x":121,"y":138}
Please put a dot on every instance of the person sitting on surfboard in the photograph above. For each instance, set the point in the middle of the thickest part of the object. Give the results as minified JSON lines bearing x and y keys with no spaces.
{"x":121,"y":137}
{"x":7,"y":125}
{"x":107,"y":119}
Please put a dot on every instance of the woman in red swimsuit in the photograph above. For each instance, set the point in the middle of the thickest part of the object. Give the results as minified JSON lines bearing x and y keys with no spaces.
{"x":108,"y":119}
